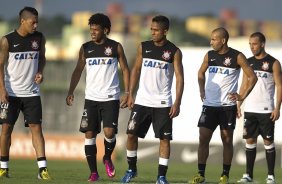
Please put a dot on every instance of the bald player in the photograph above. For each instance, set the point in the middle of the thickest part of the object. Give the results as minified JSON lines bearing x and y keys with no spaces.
{"x":22,"y":60}
{"x":219,"y":96}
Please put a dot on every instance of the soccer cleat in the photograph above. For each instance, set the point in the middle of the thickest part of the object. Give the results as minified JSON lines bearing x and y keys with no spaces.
{"x":223,"y":179}
{"x":245,"y":179}
{"x":4,"y":172}
{"x":44,"y":175}
{"x":129,"y":174}
{"x":162,"y":180}
{"x":110,"y":168}
{"x":198,"y":179}
{"x":270,"y":179}
{"x":94,"y":176}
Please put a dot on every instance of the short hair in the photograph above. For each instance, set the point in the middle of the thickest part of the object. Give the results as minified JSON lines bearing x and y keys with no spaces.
{"x":27,"y":9}
{"x":223,"y":32}
{"x":101,"y":20}
{"x":260,"y":36}
{"x":163,"y":20}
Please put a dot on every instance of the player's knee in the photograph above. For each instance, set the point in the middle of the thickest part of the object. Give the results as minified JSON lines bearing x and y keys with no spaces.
{"x":271,"y":145}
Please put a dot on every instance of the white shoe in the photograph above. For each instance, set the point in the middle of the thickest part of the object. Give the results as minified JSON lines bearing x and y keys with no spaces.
{"x":270,"y":179}
{"x":245,"y":179}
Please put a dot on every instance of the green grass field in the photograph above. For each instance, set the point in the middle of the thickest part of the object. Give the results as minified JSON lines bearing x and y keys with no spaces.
{"x":76,"y":172}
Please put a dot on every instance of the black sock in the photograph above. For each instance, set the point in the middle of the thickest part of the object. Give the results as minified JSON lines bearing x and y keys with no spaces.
{"x":4,"y":158}
{"x":270,"y":158}
{"x":202,"y":169}
{"x":162,"y":170}
{"x":132,"y":163}
{"x":109,"y":148}
{"x":90,"y":153}
{"x":250,"y":158}
{"x":226,"y":169}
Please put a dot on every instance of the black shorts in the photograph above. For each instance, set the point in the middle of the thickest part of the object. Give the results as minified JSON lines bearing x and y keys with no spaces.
{"x":225,"y":117}
{"x":141,"y":118}
{"x":256,"y":124}
{"x":95,"y":113}
{"x":30,"y":106}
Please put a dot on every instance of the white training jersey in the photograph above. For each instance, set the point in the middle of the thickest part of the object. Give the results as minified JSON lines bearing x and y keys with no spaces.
{"x":102,"y":82}
{"x":22,"y":65}
{"x":156,"y":75}
{"x":223,"y":74}
{"x":261,"y":98}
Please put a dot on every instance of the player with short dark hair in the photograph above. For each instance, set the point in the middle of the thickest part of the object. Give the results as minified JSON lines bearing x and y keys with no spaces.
{"x":22,"y":60}
{"x":100,"y":57}
{"x":260,"y":109}
{"x":156,"y":63}
{"x":219,"y":96}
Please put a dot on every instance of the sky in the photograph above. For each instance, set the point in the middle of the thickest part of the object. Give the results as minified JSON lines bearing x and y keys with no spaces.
{"x":246,"y":9}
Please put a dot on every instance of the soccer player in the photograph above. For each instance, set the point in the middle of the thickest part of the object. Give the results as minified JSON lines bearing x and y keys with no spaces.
{"x":22,"y":60}
{"x":100,"y":56}
{"x":156,"y":63}
{"x":219,"y":96}
{"x":260,"y":110}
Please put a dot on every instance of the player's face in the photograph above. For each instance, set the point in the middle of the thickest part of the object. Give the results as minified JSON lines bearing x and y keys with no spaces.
{"x":256,"y":46}
{"x":30,"y":24}
{"x":158,"y":32}
{"x":97,"y":33}
{"x":216,"y":41}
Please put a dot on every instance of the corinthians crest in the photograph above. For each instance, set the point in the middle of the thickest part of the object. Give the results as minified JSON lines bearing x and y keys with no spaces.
{"x":227,"y":61}
{"x":265,"y":65}
{"x":166,"y":55}
{"x":108,"y":51}
{"x":34,"y":44}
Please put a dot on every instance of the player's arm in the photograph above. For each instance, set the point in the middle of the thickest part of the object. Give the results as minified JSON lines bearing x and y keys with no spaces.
{"x":179,"y":75}
{"x":4,"y":52}
{"x":125,"y":73}
{"x":248,"y":82}
{"x":202,"y":77}
{"x":41,"y":62}
{"x":134,"y":76}
{"x":76,"y":76}
{"x":277,"y":76}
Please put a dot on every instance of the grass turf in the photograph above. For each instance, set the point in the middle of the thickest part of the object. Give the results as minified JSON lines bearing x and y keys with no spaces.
{"x":76,"y":172}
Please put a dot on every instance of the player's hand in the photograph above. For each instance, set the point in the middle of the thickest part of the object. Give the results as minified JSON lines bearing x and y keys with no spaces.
{"x":4,"y":96}
{"x":275,"y":115}
{"x":234,"y":97}
{"x":38,"y":78}
{"x":123,"y":101}
{"x":239,"y":114}
{"x":69,"y":99}
{"x":174,"y":111}
{"x":130,"y":102}
{"x":203,"y":96}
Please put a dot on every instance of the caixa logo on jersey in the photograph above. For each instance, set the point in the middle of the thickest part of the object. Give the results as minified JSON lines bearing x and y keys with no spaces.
{"x":155,"y":64}
{"x":28,"y":55}
{"x":219,"y":70}
{"x":101,"y":61}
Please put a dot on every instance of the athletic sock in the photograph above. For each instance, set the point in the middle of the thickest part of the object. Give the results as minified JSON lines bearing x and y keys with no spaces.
{"x":90,"y":153}
{"x":109,"y":147}
{"x":42,"y":163}
{"x":251,"y":152}
{"x":4,"y":162}
{"x":202,"y":169}
{"x":163,"y":166}
{"x":270,"y":153}
{"x":132,"y":159}
{"x":226,"y":169}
